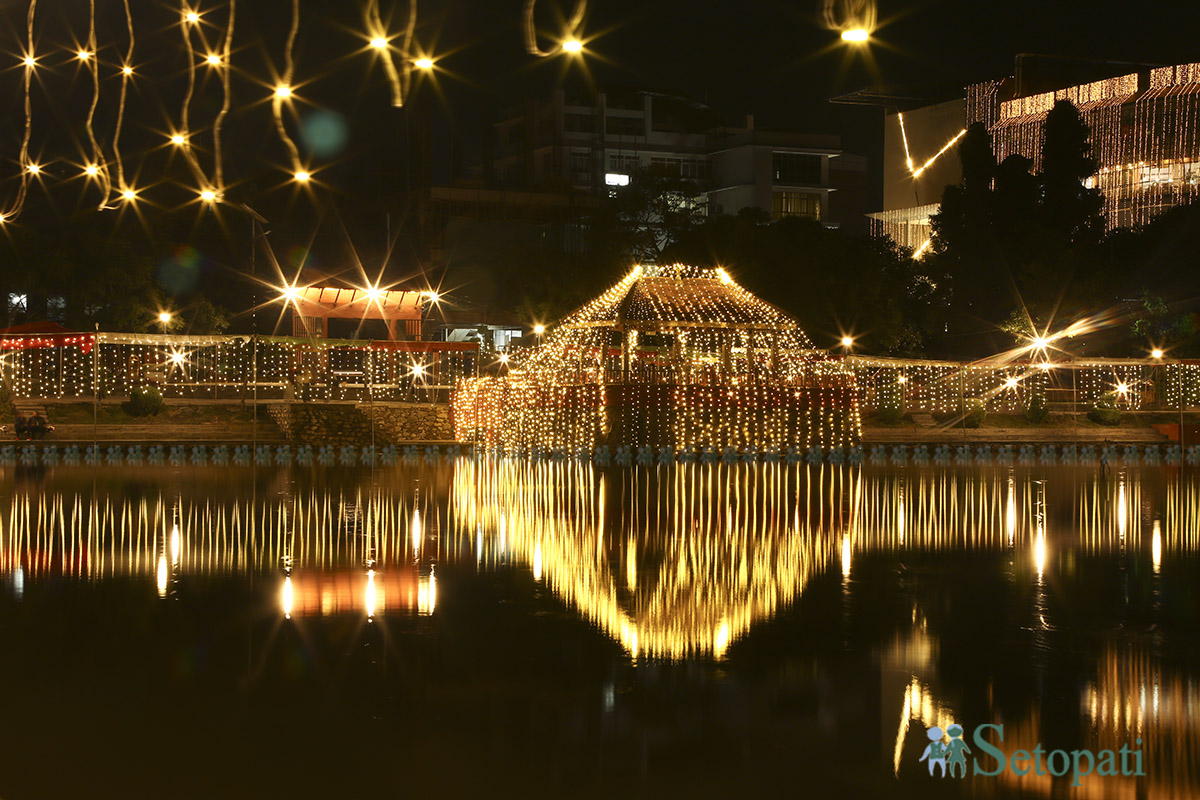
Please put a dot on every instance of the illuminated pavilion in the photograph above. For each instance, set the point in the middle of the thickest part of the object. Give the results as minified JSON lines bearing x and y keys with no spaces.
{"x":671,"y":357}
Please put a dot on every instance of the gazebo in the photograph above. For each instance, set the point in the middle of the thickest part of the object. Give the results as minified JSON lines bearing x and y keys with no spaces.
{"x":672,"y":356}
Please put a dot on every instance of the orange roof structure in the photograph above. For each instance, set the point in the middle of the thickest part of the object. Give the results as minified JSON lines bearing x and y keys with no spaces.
{"x":331,"y":302}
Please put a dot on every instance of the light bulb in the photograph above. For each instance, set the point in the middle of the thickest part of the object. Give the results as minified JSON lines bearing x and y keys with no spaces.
{"x":572,"y":46}
{"x":283,"y":90}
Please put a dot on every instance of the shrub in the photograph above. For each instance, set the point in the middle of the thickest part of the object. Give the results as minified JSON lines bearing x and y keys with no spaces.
{"x":972,"y":417}
{"x":1103,"y":415}
{"x":975,"y":414}
{"x":143,"y":402}
{"x":1037,"y":412}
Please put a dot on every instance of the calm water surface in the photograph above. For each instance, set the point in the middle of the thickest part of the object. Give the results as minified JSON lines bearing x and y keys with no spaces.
{"x":506,"y":629}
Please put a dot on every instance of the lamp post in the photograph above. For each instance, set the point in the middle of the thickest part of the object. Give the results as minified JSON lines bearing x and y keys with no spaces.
{"x":256,"y":220}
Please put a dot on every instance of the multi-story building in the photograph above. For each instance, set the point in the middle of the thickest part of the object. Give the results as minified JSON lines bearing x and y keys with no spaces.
{"x":595,"y":143}
{"x":1145,"y":137}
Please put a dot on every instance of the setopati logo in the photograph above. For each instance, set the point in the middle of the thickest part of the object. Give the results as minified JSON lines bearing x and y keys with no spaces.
{"x":947,"y":753}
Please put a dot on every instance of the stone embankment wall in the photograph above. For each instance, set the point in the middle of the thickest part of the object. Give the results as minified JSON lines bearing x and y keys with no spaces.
{"x":337,"y":424}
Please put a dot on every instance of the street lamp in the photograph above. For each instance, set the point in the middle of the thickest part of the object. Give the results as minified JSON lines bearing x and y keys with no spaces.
{"x":164,"y":319}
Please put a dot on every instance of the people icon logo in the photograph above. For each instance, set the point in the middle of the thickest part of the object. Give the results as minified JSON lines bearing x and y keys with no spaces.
{"x":948,"y":750}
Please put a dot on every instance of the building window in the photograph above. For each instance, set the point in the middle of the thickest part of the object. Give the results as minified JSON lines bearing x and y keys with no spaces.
{"x":616,"y":179}
{"x":579,"y":123}
{"x":580,"y":162}
{"x":625,"y":126}
{"x":806,"y":205}
{"x":798,"y":169}
{"x":17,"y":303}
{"x":624,"y":164}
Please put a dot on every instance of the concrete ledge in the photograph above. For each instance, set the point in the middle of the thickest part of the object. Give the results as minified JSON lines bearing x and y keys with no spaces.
{"x":910,"y":435}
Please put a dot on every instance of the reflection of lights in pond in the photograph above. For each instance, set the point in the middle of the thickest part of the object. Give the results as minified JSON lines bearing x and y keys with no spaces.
{"x":287,"y":597}
{"x":369,"y":595}
{"x":427,"y":593}
{"x":1156,"y":546}
{"x":162,"y":576}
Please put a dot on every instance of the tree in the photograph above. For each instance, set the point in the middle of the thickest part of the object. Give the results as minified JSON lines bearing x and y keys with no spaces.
{"x":1069,"y":208}
{"x":832,"y":283}
{"x":657,"y":208}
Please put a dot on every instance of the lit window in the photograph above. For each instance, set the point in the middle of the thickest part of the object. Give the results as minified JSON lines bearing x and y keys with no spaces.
{"x":796,"y":204}
{"x":616,"y":179}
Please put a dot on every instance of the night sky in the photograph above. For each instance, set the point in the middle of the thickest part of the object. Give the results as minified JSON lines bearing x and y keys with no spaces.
{"x":776,"y":60}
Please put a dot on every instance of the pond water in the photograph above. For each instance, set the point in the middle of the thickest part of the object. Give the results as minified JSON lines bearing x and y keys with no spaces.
{"x":554,"y":629}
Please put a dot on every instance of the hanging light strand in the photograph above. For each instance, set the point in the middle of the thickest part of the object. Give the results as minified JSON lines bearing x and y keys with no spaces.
{"x":93,"y":64}
{"x":531,"y":44}
{"x":226,"y":69}
{"x":19,"y":201}
{"x":126,"y":74}
{"x":284,"y":90}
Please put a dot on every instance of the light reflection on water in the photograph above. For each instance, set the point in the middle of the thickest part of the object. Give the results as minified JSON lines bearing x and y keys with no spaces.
{"x":684,"y":563}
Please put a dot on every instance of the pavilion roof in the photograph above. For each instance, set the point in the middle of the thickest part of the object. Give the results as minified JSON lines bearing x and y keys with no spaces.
{"x":338,"y":303}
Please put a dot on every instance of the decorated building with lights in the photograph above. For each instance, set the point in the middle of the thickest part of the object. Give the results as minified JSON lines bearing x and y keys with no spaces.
{"x":670,"y":357}
{"x":1145,"y":137}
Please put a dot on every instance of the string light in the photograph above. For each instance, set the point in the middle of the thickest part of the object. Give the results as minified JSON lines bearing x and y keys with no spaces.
{"x":424,"y":63}
{"x":213,"y":60}
{"x":178,"y":139}
{"x":571,"y":36}
{"x":283,"y":91}
{"x":712,"y":363}
{"x":302,"y":177}
{"x":191,"y":17}
{"x":226,"y":97}
{"x":379,"y":43}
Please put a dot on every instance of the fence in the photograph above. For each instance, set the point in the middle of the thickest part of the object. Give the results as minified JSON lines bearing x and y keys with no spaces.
{"x":63,"y":366}
{"x":945,"y":387}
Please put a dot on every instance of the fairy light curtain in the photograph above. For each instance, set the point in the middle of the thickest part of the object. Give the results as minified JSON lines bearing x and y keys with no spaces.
{"x":671,"y":356}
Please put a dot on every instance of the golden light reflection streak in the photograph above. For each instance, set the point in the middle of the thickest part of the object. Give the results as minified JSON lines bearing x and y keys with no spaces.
{"x":126,"y":74}
{"x":226,"y":68}
{"x":904,"y":137}
{"x":571,"y":32}
{"x":938,"y":154}
{"x":284,"y":90}
{"x":30,"y":62}
{"x":93,"y":65}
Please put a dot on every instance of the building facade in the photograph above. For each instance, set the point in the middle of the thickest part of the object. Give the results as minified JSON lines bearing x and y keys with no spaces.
{"x":596,"y":143}
{"x":1143,"y":136}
